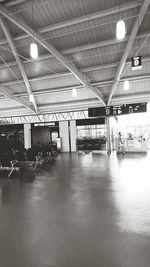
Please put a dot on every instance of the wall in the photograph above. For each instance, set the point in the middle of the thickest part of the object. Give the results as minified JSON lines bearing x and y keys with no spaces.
{"x":40,"y":134}
{"x":73,"y":135}
{"x":27,"y":135}
{"x":64,"y":135}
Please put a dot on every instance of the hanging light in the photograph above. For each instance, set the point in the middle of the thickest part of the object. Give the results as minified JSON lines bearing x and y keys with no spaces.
{"x":126,"y":85}
{"x":74,"y":92}
{"x":31,"y":98}
{"x":120,"y":29}
{"x":34,"y":50}
{"x":33,"y":45}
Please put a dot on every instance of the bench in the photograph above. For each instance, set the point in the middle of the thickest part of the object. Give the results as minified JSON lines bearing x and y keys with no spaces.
{"x":20,"y":164}
{"x":11,"y":168}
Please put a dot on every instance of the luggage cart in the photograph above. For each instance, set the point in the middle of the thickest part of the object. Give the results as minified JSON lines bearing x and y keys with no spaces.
{"x":120,"y":147}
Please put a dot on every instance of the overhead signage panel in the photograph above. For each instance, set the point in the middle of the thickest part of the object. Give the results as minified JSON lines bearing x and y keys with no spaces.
{"x":117,"y":110}
{"x":136,"y":63}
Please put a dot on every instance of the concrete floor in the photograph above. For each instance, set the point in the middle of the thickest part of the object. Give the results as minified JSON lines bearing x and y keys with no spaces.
{"x":82,"y":211}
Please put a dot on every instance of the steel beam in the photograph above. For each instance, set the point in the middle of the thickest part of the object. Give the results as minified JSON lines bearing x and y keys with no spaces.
{"x":100,"y":83}
{"x":129,"y":44}
{"x":19,"y":63}
{"x":45,"y":118}
{"x":37,"y":37}
{"x":74,"y":50}
{"x":82,"y":113}
{"x":74,"y":21}
{"x":88,"y":69}
{"x":7,"y":93}
{"x":14,"y":3}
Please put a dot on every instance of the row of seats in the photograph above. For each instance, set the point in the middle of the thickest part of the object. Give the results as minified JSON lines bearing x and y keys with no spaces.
{"x":7,"y":153}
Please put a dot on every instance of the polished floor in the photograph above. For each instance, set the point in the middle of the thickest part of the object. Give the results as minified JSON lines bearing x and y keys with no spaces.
{"x":86,"y":210}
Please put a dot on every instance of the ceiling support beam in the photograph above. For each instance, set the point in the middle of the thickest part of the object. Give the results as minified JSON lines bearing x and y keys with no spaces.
{"x":37,"y":37}
{"x":48,"y":91}
{"x":76,"y":49}
{"x":14,"y":3}
{"x":7,"y":93}
{"x":88,"y":69}
{"x":129,"y":44}
{"x":77,"y":106}
{"x":74,"y":21}
{"x":89,"y":17}
{"x":19,"y":63}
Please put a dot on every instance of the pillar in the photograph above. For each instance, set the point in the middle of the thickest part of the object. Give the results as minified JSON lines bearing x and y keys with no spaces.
{"x":64,"y":135}
{"x":27,"y":135}
{"x":108,"y":136}
{"x":73,"y":136}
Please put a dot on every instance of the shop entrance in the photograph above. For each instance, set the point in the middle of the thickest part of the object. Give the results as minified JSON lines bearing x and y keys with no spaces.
{"x":91,"y":134}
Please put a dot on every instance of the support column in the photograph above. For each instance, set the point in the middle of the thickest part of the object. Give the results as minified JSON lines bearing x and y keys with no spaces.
{"x":108,"y":136}
{"x":64,"y":135}
{"x":27,"y":135}
{"x":73,"y":136}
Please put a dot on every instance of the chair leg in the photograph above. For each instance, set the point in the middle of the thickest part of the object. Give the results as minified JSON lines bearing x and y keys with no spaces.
{"x":11,"y":172}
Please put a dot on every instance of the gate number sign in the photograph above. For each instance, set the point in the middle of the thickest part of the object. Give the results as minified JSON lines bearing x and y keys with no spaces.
{"x":117,"y":110}
{"x":136,"y":63}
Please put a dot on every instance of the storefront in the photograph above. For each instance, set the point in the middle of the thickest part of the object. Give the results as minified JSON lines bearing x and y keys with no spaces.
{"x":91,"y":134}
{"x":44,"y":134}
{"x":135,"y":131}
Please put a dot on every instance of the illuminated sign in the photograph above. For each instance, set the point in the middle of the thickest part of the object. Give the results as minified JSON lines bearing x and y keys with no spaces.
{"x":117,"y":110}
{"x":136,"y":63}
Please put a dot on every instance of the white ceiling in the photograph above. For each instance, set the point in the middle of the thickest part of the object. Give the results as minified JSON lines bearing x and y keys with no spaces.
{"x":77,"y":49}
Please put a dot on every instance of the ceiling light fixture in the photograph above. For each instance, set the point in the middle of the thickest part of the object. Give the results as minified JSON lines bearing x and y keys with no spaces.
{"x":31,"y":98}
{"x":74,"y":92}
{"x":33,"y":50}
{"x":33,"y":45}
{"x":120,"y":27}
{"x":126,"y":85}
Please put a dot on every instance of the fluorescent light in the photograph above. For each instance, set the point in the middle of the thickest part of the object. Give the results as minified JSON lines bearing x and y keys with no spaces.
{"x":34,"y":50}
{"x":126,"y":85}
{"x":31,"y":98}
{"x":74,"y":92}
{"x":120,"y":30}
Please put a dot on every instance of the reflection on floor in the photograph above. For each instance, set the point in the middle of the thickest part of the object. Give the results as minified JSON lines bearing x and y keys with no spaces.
{"x":90,"y":210}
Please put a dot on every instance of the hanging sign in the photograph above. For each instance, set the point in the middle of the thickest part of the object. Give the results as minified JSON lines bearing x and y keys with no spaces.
{"x":117,"y":110}
{"x":136,"y":63}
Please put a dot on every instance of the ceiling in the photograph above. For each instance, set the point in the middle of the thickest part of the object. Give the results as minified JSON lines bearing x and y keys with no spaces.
{"x":77,"y":49}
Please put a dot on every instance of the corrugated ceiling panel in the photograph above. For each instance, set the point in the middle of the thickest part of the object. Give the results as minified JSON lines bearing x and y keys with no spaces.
{"x":98,"y":56}
{"x":36,"y":68}
{"x":46,"y":83}
{"x":14,"y":74}
{"x":42,"y":13}
{"x":44,"y":67}
{"x":95,"y":30}
{"x":46,"y":11}
{"x":145,"y":23}
{"x":135,"y":88}
{"x":17,"y":88}
{"x":90,"y":35}
{"x":15,"y":30}
{"x":102,"y":75}
{"x":6,"y":54}
{"x":141,"y":44}
{"x":54,"y":83}
{"x":64,"y":96}
{"x":24,"y":50}
{"x":2,"y":35}
{"x":104,"y":53}
{"x":105,"y":90}
{"x":8,"y":103}
{"x":6,"y":75}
